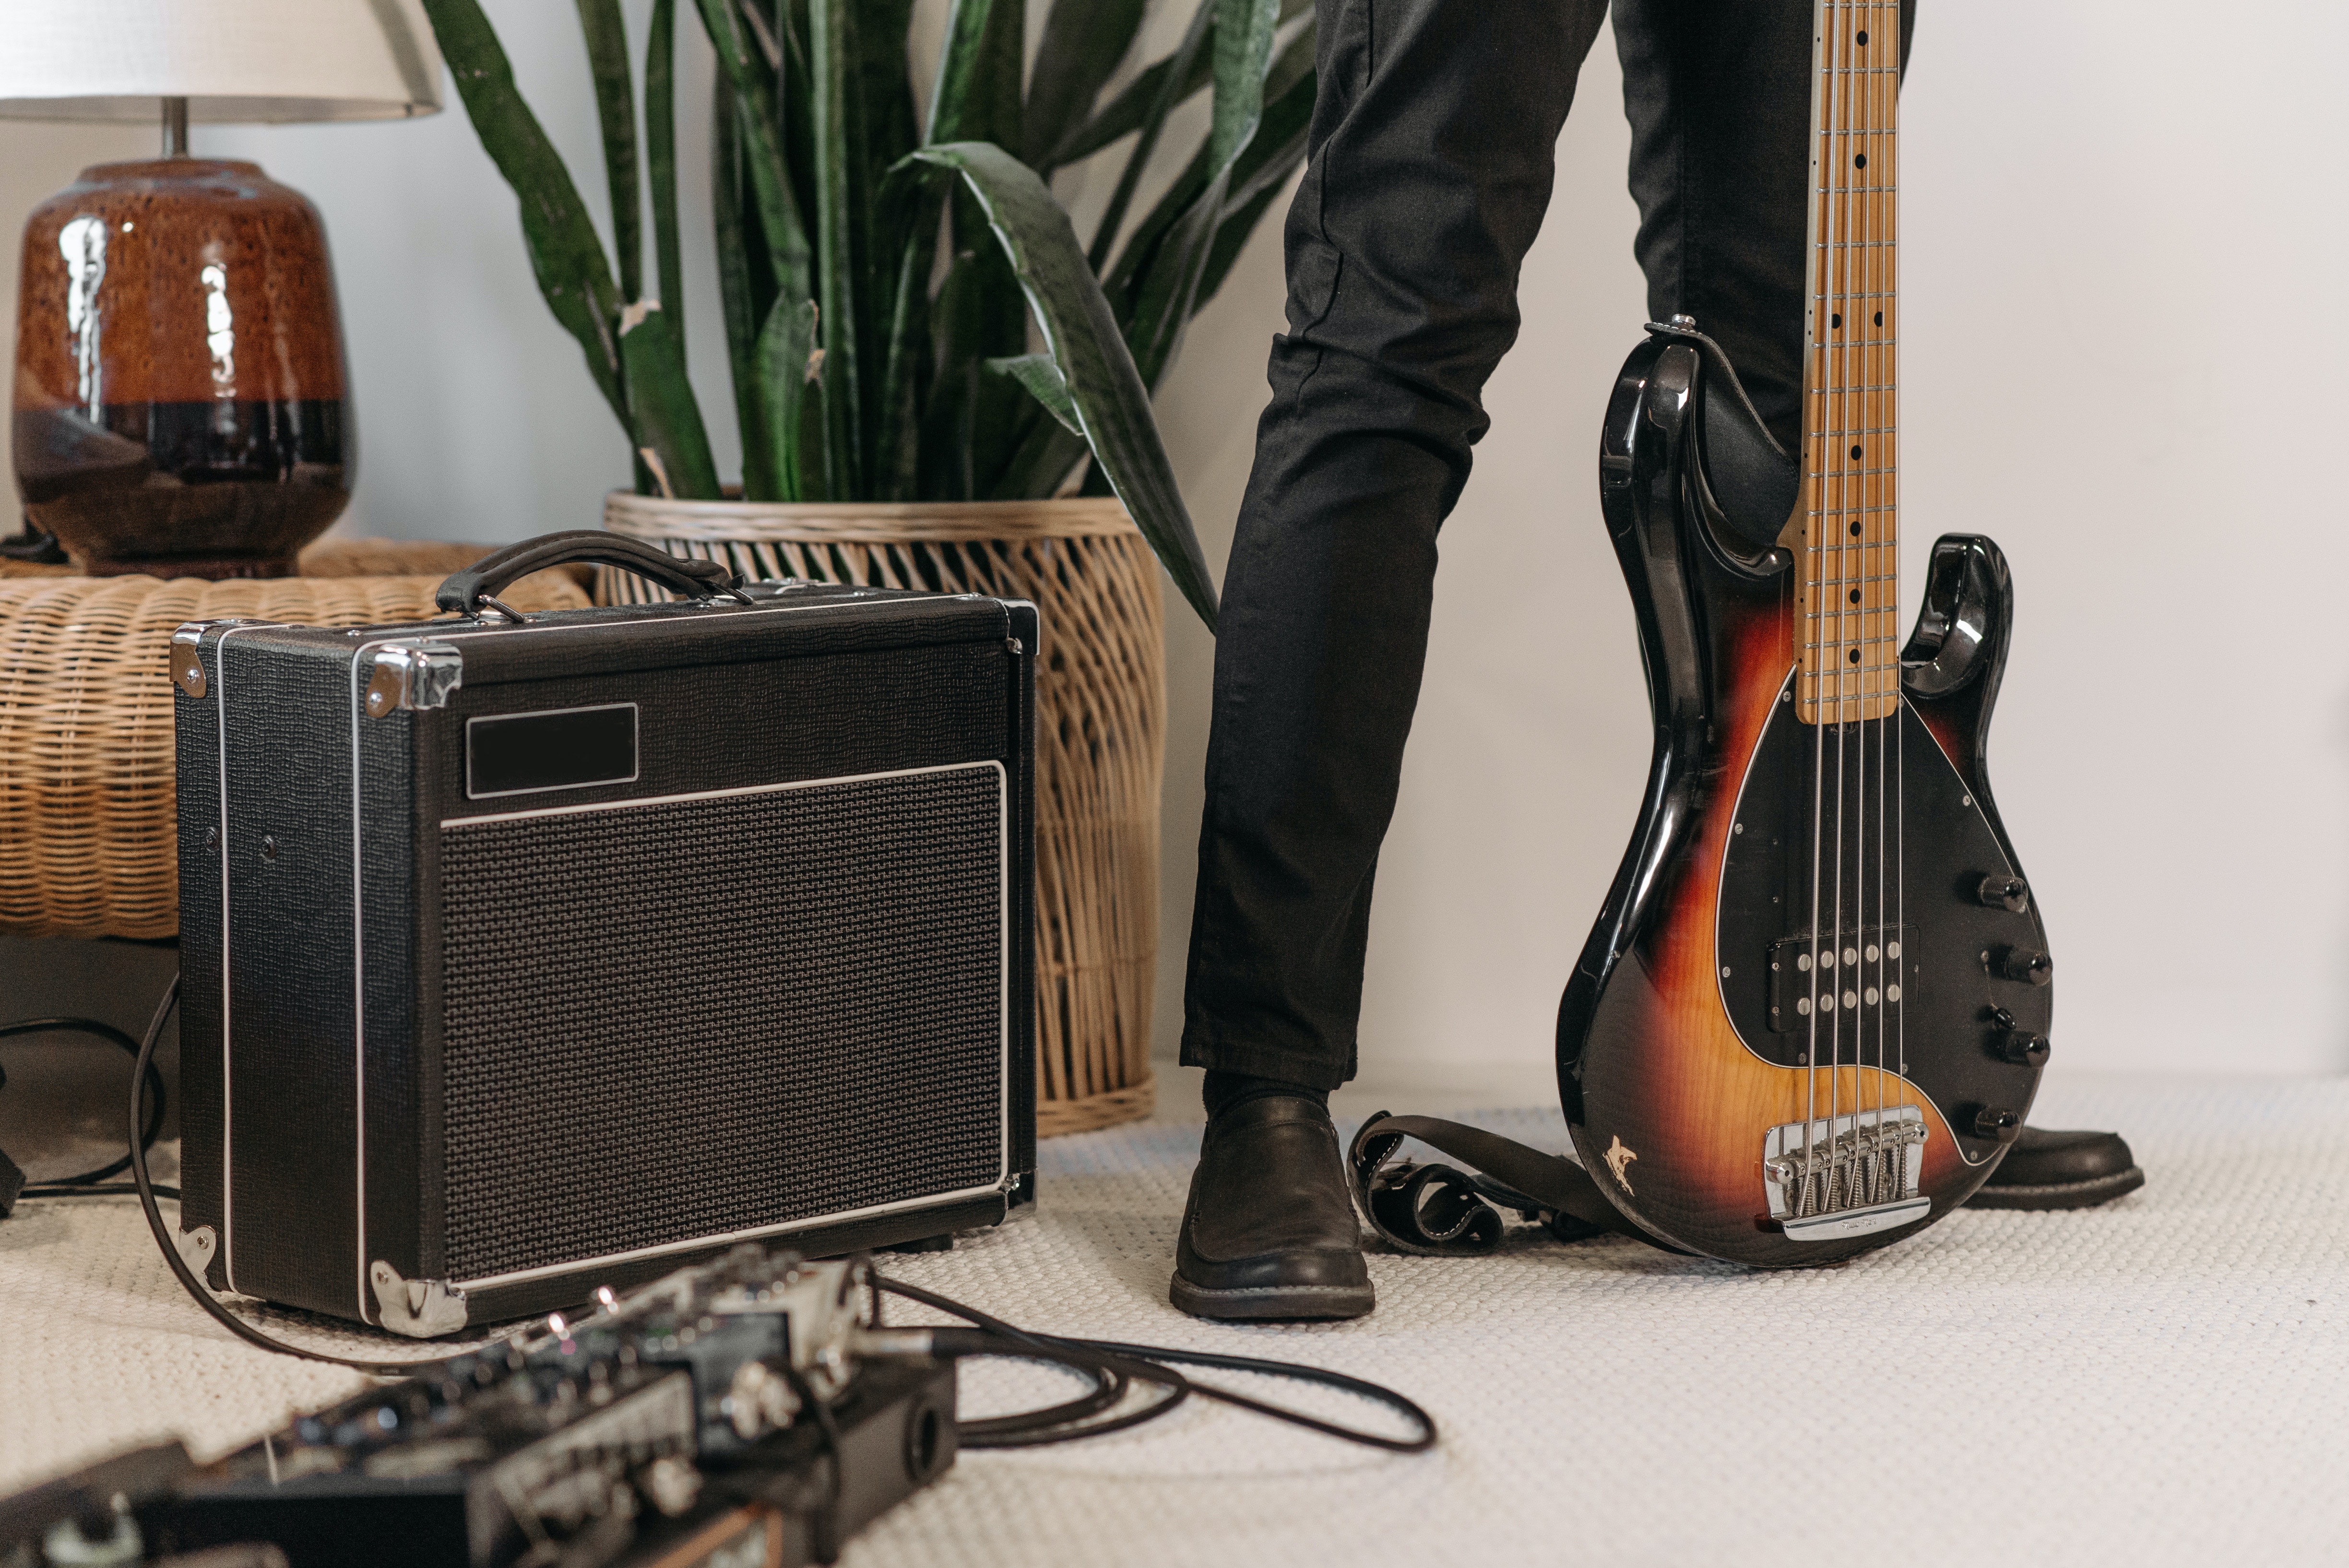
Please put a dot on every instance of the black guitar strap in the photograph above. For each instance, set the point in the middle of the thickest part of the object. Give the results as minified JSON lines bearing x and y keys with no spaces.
{"x":1438,"y":1212}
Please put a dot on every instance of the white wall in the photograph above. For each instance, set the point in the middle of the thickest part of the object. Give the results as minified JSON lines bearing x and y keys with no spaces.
{"x":2123,"y":225}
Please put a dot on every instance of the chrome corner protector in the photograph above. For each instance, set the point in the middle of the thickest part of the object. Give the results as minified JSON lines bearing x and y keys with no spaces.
{"x":187,"y":665}
{"x":196,"y":1248}
{"x":1019,"y":1198}
{"x":421,"y":1309}
{"x":412,"y":675}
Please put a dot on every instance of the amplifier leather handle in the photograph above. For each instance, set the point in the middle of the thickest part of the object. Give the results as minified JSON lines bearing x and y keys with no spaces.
{"x":467,"y":592}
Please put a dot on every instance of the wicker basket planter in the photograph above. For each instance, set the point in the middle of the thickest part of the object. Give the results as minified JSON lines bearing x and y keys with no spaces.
{"x":1100,"y":725}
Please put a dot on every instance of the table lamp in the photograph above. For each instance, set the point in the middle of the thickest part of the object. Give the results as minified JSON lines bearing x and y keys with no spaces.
{"x":181,"y":404}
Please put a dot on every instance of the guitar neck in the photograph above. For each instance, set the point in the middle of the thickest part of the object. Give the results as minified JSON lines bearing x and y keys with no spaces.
{"x":1848,"y":568}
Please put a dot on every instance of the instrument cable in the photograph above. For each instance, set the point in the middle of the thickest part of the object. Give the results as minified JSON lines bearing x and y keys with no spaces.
{"x":1113,"y":1366}
{"x":88,"y":1183}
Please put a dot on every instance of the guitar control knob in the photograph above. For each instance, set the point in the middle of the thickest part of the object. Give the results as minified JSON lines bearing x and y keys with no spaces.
{"x":1999,"y":891}
{"x":2027,"y":965}
{"x":1997,"y":1124}
{"x":2016,"y":1043}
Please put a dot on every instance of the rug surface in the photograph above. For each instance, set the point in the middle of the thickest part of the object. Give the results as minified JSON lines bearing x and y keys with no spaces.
{"x":2164,"y":1380}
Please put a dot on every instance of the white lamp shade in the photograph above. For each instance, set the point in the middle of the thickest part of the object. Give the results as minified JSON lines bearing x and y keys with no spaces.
{"x":233,"y":60}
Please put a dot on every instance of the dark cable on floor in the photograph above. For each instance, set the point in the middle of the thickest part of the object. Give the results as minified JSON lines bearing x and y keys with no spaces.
{"x":1155,"y":1364}
{"x":85,"y":1185}
{"x":1114,"y":1367}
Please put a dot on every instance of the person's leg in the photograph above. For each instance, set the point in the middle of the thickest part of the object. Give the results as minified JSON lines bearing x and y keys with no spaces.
{"x":1428,"y":173}
{"x":1429,"y":170}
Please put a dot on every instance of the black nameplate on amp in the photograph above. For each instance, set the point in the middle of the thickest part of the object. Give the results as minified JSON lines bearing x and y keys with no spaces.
{"x":568,"y":748}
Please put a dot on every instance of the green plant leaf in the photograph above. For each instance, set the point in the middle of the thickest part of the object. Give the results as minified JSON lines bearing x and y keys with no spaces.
{"x":1083,"y":43}
{"x":573,"y":272}
{"x":1125,"y":113}
{"x":1042,"y":379}
{"x":1168,"y":292}
{"x":976,"y":95}
{"x":660,"y":160}
{"x":831,"y":49}
{"x":616,"y":116}
{"x":1244,"y":30}
{"x":1288,"y":90}
{"x":1231,"y":238}
{"x":669,"y":432}
{"x":815,"y":480}
{"x":758,"y":126}
{"x":1081,"y":336}
{"x":785,"y":346}
{"x":737,"y":297}
{"x":1198,"y":43}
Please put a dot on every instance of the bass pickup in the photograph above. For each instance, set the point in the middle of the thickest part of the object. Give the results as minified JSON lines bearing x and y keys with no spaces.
{"x":1858,"y":976}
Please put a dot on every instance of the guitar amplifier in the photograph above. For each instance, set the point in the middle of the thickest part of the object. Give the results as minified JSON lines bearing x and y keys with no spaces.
{"x":524,"y":954}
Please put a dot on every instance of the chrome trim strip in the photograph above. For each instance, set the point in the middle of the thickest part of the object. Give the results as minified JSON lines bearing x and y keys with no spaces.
{"x":228,"y":1031}
{"x":358,"y":975}
{"x":447,"y":823}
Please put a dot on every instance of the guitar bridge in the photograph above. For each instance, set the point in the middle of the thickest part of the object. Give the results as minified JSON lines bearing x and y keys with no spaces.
{"x":1846,"y":1176}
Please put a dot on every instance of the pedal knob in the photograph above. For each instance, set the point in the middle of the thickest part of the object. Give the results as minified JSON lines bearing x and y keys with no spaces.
{"x":1997,"y":1124}
{"x":2031,"y":967}
{"x":1999,"y":891}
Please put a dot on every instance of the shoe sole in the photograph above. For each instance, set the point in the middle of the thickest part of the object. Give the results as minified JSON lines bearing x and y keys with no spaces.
{"x":1273,"y":1302}
{"x":2061,"y":1194}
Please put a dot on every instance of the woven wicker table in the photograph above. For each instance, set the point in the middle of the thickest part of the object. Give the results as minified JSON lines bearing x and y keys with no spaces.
{"x":87,"y":819}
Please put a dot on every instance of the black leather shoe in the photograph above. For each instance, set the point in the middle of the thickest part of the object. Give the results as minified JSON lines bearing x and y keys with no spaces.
{"x":1270,"y":1232}
{"x":2060,"y":1170}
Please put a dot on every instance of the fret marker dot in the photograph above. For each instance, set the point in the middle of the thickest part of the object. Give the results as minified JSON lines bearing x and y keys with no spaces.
{"x":1855,"y":451}
{"x":1862,"y":37}
{"x":1835,"y":321}
{"x":1855,"y":656}
{"x":1855,"y":530}
{"x":1879,"y":318}
{"x":1860,"y":161}
{"x":1854,"y":595}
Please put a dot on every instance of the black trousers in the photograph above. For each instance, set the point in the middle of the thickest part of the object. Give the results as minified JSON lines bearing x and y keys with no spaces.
{"x":1430,"y":168}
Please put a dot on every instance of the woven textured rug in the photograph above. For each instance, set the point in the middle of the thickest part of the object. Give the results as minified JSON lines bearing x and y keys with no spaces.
{"x":2164,"y":1380}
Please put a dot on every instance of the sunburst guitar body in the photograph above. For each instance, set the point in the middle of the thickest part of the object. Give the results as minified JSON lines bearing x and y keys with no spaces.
{"x":1813,"y":1011}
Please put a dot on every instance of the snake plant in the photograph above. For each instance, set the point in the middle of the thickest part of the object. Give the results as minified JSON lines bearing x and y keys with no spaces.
{"x":880,"y":268}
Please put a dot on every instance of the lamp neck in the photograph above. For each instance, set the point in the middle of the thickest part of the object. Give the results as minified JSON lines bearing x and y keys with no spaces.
{"x":175,"y":128}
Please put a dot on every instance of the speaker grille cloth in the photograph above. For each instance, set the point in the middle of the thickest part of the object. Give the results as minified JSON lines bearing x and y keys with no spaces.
{"x":681,"y":1020}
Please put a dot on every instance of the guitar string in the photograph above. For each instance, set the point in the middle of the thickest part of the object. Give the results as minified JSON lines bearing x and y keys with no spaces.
{"x":1815,"y":486}
{"x":1891,"y":403}
{"x":1879,"y":1171}
{"x":1883,"y":116}
{"x":1833,"y":459}
{"x":1883,"y":1187}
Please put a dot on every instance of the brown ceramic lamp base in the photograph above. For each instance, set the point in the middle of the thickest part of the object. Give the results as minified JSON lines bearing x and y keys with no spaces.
{"x":178,"y":402}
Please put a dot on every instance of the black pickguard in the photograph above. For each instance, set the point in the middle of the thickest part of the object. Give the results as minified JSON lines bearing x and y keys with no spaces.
{"x":1902,"y":845}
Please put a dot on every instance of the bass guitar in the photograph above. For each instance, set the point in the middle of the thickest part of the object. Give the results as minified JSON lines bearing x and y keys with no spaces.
{"x":1815,"y":1008}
